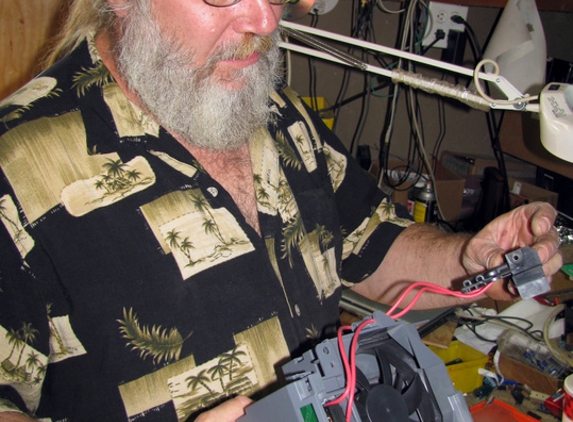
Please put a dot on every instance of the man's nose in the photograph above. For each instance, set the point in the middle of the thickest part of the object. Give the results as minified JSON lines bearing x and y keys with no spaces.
{"x":257,"y":16}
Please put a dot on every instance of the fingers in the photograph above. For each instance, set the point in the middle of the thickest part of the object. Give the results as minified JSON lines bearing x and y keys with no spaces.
{"x":529,"y":225}
{"x":9,"y":416}
{"x":501,"y":291}
{"x":547,"y":245}
{"x":553,"y":265}
{"x":228,"y":411}
{"x":542,"y":216}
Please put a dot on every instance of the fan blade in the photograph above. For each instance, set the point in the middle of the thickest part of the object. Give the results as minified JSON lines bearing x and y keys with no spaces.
{"x":413,"y":394}
{"x":385,"y":404}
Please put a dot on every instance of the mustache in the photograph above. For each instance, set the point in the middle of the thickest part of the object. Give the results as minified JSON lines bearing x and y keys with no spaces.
{"x":250,"y":44}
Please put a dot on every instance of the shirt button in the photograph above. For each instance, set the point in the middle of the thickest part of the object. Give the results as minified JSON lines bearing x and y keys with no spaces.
{"x":297,"y":310}
{"x":213,"y":191}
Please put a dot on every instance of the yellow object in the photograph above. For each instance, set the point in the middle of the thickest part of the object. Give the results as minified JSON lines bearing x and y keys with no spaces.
{"x":321,"y":103}
{"x":464,"y":374}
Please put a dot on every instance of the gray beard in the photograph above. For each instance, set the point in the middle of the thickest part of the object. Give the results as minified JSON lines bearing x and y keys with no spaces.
{"x":190,"y":102}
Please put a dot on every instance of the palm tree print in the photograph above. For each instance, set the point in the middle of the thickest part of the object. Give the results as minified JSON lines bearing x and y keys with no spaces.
{"x":19,"y":339}
{"x":194,"y":382}
{"x":218,"y":372}
{"x":96,"y":76}
{"x":17,"y":229}
{"x":25,"y":97}
{"x":233,"y":358}
{"x":14,"y":339}
{"x":119,"y":179}
{"x":288,"y":154}
{"x":223,"y":377}
{"x":324,"y":235}
{"x":313,"y":334}
{"x":389,"y":211}
{"x":156,"y":342}
{"x":293,"y":232}
{"x":210,"y":227}
{"x":28,"y":335}
{"x":58,"y":341}
{"x":202,"y":205}
{"x":184,"y":245}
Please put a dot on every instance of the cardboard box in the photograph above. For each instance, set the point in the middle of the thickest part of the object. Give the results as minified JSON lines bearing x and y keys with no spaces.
{"x":521,"y":192}
{"x":524,"y":374}
{"x":450,"y":192}
{"x":449,"y":188}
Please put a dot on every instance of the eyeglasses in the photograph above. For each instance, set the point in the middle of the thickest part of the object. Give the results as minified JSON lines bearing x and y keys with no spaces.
{"x":227,"y":3}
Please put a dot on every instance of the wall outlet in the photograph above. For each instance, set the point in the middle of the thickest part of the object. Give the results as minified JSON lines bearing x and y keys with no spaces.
{"x":439,"y":18}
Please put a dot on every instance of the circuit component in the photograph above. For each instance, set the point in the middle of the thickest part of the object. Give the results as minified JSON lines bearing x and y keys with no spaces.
{"x":524,"y":269}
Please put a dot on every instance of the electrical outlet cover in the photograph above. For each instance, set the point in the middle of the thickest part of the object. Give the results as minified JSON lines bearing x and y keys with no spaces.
{"x":439,"y":17}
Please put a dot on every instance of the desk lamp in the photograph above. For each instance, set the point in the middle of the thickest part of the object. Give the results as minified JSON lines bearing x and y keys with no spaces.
{"x":554,"y":104}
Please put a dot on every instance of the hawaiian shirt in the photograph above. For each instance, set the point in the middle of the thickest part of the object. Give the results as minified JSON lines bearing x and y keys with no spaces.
{"x":131,"y":286}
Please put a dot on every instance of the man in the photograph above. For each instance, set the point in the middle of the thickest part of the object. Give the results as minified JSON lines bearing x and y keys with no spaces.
{"x":176,"y":223}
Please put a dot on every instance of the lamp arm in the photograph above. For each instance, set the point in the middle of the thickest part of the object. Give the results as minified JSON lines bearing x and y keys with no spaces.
{"x":431,"y":85}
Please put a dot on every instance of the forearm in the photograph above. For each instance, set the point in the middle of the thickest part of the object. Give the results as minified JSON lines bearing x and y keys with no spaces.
{"x":420,"y":253}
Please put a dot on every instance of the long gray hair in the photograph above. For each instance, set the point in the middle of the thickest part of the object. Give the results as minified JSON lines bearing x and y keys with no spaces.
{"x":84,"y":17}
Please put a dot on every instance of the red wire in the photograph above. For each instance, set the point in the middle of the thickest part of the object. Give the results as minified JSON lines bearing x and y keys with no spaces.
{"x":353,"y":348}
{"x":434,"y":289}
{"x":350,"y":364}
{"x":346,"y":364}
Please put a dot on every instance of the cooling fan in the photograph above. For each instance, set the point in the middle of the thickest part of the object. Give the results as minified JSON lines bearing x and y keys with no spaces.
{"x":397,"y":378}
{"x":397,"y":387}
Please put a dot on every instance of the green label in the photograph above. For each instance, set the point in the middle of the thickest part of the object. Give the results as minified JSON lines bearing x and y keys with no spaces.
{"x":308,"y":413}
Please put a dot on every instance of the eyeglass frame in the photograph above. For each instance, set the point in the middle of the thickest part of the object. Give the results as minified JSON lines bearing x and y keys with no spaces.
{"x":233,"y":2}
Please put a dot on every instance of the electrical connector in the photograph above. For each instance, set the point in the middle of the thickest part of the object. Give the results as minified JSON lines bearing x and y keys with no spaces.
{"x":440,"y":34}
{"x":537,"y":397}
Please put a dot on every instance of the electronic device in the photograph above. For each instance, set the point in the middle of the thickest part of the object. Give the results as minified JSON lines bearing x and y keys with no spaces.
{"x":524,"y":269}
{"x":397,"y":378}
{"x":556,"y":119}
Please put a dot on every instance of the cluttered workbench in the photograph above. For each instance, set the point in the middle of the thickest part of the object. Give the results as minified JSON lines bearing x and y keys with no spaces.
{"x":508,"y":359}
{"x":524,"y":346}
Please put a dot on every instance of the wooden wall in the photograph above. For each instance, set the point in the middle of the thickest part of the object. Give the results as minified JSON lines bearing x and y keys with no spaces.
{"x":25,"y":27}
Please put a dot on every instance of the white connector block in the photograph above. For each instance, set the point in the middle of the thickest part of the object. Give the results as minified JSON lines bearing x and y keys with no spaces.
{"x":439,"y":18}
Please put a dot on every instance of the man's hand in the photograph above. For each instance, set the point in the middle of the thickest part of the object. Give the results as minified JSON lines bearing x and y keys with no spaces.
{"x":14,"y":417}
{"x":528,"y":225}
{"x":228,"y":411}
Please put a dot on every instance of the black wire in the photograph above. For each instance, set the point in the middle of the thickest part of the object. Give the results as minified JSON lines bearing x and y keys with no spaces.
{"x":442,"y":127}
{"x":345,"y":79}
{"x":472,"y":328}
{"x":474,"y":44}
{"x":493,"y":126}
{"x":363,"y":29}
{"x":386,"y":133}
{"x":312,"y":92}
{"x":534,"y":334}
{"x":439,"y":36}
{"x":356,"y":97}
{"x":415,"y":155}
{"x":363,"y":115}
